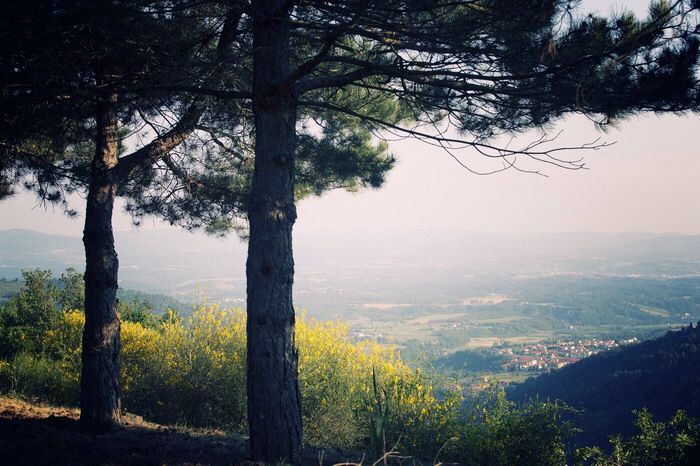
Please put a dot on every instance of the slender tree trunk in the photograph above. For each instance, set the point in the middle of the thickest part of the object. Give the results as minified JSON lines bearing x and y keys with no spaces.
{"x":99,"y":384}
{"x":274,"y":409}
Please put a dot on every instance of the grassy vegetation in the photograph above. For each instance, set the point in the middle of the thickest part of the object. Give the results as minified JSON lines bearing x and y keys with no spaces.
{"x":356,"y":396}
{"x":506,"y":308}
{"x":655,"y":311}
{"x":191,"y":372}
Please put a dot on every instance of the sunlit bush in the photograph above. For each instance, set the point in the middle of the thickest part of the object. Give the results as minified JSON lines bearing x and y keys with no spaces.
{"x":63,"y":340}
{"x":341,"y":406}
{"x":200,"y":369}
{"x":53,"y":374}
{"x":354,"y":394}
{"x":335,"y":381}
{"x":192,"y":371}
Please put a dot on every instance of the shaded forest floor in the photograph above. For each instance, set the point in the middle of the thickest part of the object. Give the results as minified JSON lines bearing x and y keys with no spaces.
{"x":35,"y":434}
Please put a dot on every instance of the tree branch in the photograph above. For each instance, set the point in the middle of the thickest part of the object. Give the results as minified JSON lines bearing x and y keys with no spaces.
{"x":163,"y":144}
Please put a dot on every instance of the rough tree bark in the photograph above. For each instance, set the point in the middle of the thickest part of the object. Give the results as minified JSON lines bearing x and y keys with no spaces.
{"x":99,"y":390}
{"x":99,"y":383}
{"x":274,"y":409}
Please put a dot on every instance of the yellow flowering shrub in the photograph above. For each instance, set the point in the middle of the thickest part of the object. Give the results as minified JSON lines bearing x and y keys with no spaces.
{"x":138,"y":356}
{"x":331,"y":371}
{"x":339,"y":401}
{"x":192,"y":371}
{"x":65,"y":338}
{"x":53,"y":375}
{"x":188,"y":371}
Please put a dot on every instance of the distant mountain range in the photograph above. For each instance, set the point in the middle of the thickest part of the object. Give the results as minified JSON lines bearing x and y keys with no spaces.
{"x":662,"y":375}
{"x":151,"y":261}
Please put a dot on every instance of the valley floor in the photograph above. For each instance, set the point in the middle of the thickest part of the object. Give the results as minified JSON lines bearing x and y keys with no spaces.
{"x":32,"y":434}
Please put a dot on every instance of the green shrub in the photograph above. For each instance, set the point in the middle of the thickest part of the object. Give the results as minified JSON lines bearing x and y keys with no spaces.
{"x":36,"y":309}
{"x":500,"y":433}
{"x":187,"y":372}
{"x":7,"y":377}
{"x":360,"y":395}
{"x":341,"y":406}
{"x":45,"y":379}
{"x":675,"y":442}
{"x":190,"y":371}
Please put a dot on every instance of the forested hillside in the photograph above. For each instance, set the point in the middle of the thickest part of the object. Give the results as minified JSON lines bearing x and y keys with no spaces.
{"x":662,"y":375}
{"x":153,"y":302}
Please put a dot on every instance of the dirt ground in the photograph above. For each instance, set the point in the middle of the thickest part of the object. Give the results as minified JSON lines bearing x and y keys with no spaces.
{"x":34,"y":434}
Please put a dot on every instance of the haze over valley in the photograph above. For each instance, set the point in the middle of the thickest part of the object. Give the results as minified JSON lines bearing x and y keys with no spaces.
{"x":434,"y":291}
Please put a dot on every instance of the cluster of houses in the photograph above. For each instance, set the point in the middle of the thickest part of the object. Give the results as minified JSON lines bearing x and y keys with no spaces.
{"x":542,"y":357}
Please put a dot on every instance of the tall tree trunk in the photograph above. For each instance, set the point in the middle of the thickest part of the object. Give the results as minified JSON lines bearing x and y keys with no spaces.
{"x":99,"y":384}
{"x":274,"y":408}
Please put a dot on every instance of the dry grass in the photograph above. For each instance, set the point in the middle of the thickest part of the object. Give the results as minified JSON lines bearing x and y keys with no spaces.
{"x":487,"y":342}
{"x":385,"y":306}
{"x":37,"y":434}
{"x":655,"y":311}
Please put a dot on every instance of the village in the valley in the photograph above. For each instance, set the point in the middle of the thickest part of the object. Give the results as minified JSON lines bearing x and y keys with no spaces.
{"x":542,"y":357}
{"x":536,"y":358}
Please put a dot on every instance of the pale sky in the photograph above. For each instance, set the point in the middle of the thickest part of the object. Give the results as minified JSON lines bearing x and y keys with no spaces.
{"x":647,"y":181}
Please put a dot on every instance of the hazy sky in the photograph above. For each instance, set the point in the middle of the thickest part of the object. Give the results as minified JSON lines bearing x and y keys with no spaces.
{"x":647,"y":181}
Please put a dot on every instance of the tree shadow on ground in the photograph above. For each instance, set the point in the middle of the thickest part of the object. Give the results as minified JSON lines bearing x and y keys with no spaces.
{"x":32,"y":434}
{"x":58,"y":440}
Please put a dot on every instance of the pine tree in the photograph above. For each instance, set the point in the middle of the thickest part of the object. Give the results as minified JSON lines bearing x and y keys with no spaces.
{"x":482,"y":68}
{"x":307,"y":79}
{"x":86,"y":77}
{"x":77,"y":77}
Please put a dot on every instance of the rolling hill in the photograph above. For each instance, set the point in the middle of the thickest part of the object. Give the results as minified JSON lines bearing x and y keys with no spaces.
{"x":662,"y":375}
